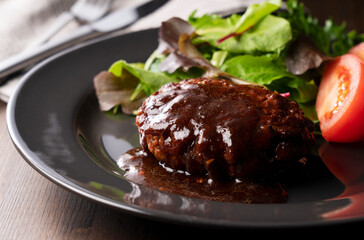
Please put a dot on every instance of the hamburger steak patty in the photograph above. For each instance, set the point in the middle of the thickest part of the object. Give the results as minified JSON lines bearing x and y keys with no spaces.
{"x":228,"y":130}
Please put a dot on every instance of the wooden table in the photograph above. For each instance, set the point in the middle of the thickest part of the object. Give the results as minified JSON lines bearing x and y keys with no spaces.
{"x":31,"y":207}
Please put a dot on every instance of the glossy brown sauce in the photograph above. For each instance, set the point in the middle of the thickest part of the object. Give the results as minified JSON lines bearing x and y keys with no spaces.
{"x":228,"y":130}
{"x":218,"y":132}
{"x":143,"y":168}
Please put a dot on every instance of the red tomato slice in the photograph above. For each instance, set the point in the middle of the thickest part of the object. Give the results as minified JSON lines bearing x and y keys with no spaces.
{"x":358,"y":50}
{"x":340,"y":100}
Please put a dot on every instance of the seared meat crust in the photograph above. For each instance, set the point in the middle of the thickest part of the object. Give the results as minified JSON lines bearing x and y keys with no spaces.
{"x":215,"y":126}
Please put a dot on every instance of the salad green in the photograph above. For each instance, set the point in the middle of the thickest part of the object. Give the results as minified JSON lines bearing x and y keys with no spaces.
{"x":263,"y":46}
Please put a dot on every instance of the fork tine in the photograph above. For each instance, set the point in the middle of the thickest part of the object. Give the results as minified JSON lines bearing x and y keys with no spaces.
{"x":90,"y":10}
{"x":84,"y":10}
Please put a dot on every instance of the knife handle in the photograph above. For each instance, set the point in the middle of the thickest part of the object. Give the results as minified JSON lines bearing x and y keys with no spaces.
{"x":32,"y":56}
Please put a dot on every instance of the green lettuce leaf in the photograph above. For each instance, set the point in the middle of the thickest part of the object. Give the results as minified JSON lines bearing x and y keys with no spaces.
{"x":258,"y":69}
{"x":127,"y":85}
{"x":272,"y":73}
{"x":255,"y":13}
{"x":212,"y":27}
{"x":218,"y":58}
{"x":149,"y":81}
{"x":271,"y":34}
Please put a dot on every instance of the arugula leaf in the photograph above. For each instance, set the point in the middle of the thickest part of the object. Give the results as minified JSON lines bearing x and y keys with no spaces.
{"x":302,"y":23}
{"x":341,"y":40}
{"x":332,"y":39}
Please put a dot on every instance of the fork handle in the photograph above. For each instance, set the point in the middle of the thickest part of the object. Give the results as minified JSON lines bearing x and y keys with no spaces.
{"x":29,"y":58}
{"x":61,"y":21}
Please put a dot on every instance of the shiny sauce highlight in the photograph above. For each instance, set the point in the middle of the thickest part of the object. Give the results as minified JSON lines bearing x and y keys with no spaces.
{"x":142,"y":168}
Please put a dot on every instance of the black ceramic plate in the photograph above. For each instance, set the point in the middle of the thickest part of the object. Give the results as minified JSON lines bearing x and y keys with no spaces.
{"x":55,"y":123}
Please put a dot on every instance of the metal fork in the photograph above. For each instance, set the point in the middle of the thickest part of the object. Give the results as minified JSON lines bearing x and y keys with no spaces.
{"x":84,"y":11}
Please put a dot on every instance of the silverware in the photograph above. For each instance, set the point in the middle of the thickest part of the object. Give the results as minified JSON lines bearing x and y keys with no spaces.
{"x":112,"y":22}
{"x":83,"y":10}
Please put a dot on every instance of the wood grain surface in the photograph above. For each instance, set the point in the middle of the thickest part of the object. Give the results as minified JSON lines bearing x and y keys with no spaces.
{"x":32,"y":207}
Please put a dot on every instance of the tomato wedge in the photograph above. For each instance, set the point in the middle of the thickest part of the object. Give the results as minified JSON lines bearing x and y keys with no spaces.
{"x":340,"y":100}
{"x":358,"y":50}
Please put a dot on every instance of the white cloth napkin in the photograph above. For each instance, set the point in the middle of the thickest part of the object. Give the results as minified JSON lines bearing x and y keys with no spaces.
{"x":23,"y":20}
